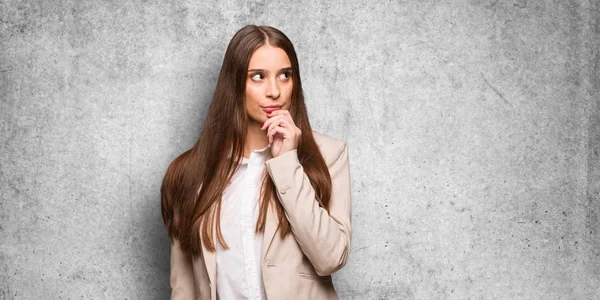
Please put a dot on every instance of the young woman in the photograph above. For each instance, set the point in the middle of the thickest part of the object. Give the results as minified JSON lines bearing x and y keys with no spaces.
{"x":260,"y":207}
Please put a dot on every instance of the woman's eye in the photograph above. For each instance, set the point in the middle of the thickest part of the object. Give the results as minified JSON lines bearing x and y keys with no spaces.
{"x":258,"y":76}
{"x":285,"y":75}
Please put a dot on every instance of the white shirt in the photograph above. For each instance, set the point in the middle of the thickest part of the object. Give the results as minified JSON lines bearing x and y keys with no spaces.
{"x":238,"y":268}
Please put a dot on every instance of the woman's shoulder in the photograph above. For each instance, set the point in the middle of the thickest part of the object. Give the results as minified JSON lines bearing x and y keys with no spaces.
{"x":330,"y":147}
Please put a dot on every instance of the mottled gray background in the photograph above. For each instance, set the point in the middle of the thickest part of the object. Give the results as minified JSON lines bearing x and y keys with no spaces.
{"x":473,"y":129}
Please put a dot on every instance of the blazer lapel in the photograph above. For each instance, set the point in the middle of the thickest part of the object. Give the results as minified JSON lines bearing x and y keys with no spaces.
{"x":270,"y":229}
{"x":210,"y":262}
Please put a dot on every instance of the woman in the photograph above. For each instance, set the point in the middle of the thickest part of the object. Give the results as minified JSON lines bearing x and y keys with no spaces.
{"x":260,"y":207}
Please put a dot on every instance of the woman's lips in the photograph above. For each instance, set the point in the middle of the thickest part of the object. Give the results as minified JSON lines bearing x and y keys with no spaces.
{"x":269,"y":109}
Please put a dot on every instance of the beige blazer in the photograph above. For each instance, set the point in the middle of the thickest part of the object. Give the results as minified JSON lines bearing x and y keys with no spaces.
{"x":300,"y":265}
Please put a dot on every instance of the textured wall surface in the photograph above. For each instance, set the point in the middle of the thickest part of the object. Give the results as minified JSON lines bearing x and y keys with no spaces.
{"x":473,"y":129}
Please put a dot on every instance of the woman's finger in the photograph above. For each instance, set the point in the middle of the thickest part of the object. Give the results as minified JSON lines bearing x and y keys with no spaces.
{"x":283,"y":112}
{"x":270,"y":121}
{"x":277,"y":130}
{"x":267,"y":123}
{"x":276,"y":121}
{"x":274,"y":128}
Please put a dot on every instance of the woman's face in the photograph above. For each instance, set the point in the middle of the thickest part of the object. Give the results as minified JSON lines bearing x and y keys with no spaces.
{"x":268,"y":83}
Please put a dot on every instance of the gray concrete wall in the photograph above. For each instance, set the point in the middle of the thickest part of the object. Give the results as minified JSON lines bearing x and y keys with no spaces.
{"x":473,"y":129}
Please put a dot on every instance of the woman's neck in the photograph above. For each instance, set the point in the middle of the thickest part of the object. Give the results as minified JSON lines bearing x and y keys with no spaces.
{"x":255,"y":138}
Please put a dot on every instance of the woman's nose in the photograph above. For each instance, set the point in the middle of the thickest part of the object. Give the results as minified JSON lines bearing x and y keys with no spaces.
{"x":273,"y":89}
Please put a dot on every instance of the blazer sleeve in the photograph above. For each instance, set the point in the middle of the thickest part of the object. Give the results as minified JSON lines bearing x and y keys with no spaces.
{"x":323,"y":237}
{"x":182,"y":274}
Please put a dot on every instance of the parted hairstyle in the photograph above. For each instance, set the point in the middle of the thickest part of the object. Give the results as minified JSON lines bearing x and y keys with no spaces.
{"x":193,"y":184}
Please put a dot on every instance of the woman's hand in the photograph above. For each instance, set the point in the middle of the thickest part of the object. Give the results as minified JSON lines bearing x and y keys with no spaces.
{"x":282,"y":132}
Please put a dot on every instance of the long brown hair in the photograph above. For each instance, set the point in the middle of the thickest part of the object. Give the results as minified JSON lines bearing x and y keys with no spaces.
{"x":193,"y":185}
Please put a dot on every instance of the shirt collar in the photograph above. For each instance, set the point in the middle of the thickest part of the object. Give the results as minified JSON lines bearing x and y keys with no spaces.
{"x":259,"y":154}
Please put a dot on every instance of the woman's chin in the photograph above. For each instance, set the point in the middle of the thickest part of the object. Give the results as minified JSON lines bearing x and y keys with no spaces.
{"x":257,"y":121}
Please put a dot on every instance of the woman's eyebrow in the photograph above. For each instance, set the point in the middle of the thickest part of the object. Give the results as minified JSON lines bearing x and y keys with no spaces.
{"x":262,"y":70}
